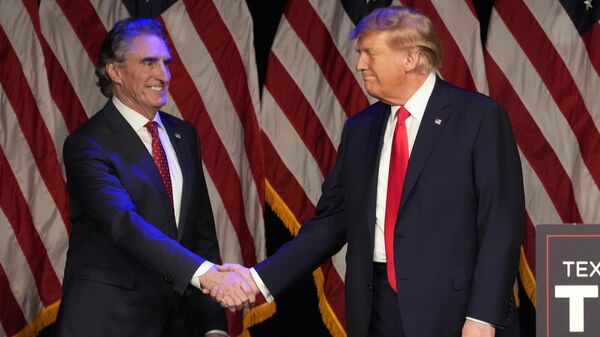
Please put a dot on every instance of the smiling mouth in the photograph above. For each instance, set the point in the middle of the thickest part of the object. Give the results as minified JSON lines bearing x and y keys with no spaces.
{"x":157,"y":88}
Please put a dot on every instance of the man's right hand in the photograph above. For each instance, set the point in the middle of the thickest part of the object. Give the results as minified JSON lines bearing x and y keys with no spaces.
{"x":243,"y":272}
{"x":229,"y":288}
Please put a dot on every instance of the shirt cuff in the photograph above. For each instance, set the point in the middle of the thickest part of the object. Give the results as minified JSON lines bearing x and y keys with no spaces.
{"x":261,"y":286}
{"x":224,"y":333}
{"x":204,"y":267}
{"x":480,"y":321}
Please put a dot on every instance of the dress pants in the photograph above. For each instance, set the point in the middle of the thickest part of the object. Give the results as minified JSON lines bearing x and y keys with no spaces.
{"x":385,"y":313}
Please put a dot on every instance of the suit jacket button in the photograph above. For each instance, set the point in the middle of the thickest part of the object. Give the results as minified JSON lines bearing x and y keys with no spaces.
{"x":370,"y":287}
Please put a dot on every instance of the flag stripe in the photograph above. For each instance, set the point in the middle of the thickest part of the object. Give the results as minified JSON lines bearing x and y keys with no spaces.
{"x":15,"y":208}
{"x":291,"y":149}
{"x":454,"y":67}
{"x":339,"y":26}
{"x":220,"y":166}
{"x":540,"y":207}
{"x":61,"y":89}
{"x":463,"y":26}
{"x":40,"y":142}
{"x":228,"y":61}
{"x":301,"y":115}
{"x":109,"y":12}
{"x":228,"y":239}
{"x":565,"y":38}
{"x":556,"y":77}
{"x":530,"y":139}
{"x":293,"y":194}
{"x":225,"y":120}
{"x":590,"y":39}
{"x":472,"y":8}
{"x":21,"y":37}
{"x":11,"y":316}
{"x":45,"y":216}
{"x":231,"y":87}
{"x":312,"y":31}
{"x":20,"y":279}
{"x":86,"y":24}
{"x":304,"y":71}
{"x":71,"y":55}
{"x":542,"y":108}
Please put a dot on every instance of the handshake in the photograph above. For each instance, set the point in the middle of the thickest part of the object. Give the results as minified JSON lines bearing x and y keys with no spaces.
{"x":231,"y":285}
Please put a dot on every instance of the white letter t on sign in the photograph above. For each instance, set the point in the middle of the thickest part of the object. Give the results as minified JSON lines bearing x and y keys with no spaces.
{"x":576,"y":294}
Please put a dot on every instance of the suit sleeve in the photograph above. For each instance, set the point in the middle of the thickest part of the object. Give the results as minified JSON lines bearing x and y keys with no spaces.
{"x":94,"y":184}
{"x":319,"y":238}
{"x":500,"y":212}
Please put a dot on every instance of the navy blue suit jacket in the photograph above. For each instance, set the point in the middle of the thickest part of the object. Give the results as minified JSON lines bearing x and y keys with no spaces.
{"x":458,"y":230}
{"x":127,"y":260}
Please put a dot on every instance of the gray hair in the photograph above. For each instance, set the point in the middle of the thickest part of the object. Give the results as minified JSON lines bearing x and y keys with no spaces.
{"x":117,"y":44}
{"x":409,"y":30}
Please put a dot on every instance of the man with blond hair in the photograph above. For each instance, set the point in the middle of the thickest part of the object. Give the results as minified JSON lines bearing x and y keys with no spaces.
{"x":427,"y":193}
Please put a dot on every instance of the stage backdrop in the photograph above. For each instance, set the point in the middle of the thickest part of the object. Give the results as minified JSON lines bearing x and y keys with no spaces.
{"x":270,"y":120}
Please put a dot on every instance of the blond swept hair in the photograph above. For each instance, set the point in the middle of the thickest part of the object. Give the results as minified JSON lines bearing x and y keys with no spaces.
{"x":409,"y":30}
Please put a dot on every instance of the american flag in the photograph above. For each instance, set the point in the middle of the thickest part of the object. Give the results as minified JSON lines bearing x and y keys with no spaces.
{"x":539,"y":58}
{"x":48,"y":51}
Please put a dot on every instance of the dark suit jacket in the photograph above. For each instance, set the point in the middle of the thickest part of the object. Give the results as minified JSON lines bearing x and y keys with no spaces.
{"x":127,"y":262}
{"x":458,"y":230}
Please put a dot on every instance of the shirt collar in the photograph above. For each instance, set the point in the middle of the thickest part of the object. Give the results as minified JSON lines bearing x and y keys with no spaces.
{"x":417,"y":103}
{"x":135,"y":119}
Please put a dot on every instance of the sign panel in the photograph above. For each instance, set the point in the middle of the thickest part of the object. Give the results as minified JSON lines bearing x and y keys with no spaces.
{"x":568,"y":280}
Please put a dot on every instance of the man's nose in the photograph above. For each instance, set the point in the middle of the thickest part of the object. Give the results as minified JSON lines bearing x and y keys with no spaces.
{"x":163,"y":72}
{"x":361,"y":64}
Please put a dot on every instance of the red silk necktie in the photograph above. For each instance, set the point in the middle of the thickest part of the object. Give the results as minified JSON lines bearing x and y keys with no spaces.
{"x":160,"y":158}
{"x":398,"y":164}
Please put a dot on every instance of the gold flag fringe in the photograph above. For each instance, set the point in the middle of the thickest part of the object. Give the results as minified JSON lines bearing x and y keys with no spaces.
{"x":291,"y":223}
{"x":256,"y":315}
{"x":45,"y":318}
{"x":527,"y":278}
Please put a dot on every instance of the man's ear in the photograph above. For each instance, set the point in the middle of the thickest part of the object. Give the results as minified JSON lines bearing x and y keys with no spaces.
{"x":412,"y":60}
{"x":113,"y":72}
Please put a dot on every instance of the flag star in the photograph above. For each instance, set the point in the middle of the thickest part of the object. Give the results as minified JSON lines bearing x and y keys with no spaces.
{"x":588,"y":4}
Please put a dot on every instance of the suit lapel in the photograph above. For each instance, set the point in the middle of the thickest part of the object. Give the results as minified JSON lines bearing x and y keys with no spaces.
{"x":128,"y":138}
{"x":134,"y":148}
{"x":434,"y":119}
{"x":374,"y":144}
{"x":177,"y":140}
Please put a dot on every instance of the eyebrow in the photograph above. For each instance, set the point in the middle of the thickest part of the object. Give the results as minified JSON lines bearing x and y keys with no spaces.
{"x":154,"y":59}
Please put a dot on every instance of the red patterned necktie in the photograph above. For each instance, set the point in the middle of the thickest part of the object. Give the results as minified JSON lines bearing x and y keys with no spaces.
{"x":398,"y":164}
{"x":160,"y":158}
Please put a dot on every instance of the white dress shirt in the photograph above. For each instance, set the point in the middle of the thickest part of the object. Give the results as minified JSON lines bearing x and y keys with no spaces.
{"x":138,"y":122}
{"x":415,"y":105}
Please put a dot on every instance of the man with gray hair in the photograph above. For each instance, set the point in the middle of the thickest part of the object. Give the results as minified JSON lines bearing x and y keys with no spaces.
{"x":426,"y":192}
{"x":143,"y":234}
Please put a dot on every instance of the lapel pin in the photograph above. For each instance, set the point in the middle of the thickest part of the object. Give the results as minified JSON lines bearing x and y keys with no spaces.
{"x":178,"y":136}
{"x":438,"y":121}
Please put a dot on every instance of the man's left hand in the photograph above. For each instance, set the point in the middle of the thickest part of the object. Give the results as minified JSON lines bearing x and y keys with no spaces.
{"x":476,"y":329}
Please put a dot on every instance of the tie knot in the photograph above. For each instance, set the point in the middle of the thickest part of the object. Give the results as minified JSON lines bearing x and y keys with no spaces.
{"x":402,"y":114}
{"x":152,"y":128}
